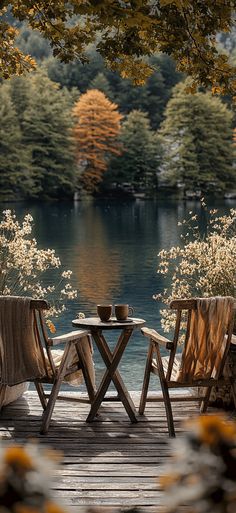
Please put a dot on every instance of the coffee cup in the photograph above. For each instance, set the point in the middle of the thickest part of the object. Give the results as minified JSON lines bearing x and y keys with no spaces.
{"x":104,"y":312}
{"x":122,"y":312}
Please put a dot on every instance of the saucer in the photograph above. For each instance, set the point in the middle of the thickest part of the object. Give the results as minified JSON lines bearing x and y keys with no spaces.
{"x":125,"y":320}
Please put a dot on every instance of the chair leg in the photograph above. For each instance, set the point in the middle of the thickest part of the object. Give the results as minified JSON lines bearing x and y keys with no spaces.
{"x":143,"y":398}
{"x":205,"y":401}
{"x":167,"y":403}
{"x":166,"y":396}
{"x":41,"y":394}
{"x":47,"y":415}
{"x":233,"y":389}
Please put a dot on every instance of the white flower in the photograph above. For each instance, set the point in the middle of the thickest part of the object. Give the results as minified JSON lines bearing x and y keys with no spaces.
{"x":23,"y":264}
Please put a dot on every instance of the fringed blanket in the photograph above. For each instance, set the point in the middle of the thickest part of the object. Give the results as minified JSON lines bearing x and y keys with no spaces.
{"x":206,"y":344}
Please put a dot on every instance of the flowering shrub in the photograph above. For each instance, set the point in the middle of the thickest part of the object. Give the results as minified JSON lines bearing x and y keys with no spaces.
{"x":202,"y":470}
{"x":24,"y":267}
{"x":203,"y":266}
{"x":25,"y":477}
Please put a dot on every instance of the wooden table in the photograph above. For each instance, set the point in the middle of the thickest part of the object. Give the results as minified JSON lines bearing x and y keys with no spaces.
{"x":111,"y":359}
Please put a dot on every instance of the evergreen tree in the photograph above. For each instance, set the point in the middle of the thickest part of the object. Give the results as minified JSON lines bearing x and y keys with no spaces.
{"x":140,"y":157}
{"x":101,"y":83}
{"x":75,"y":74}
{"x":14,"y":159}
{"x":151,"y":97}
{"x":97,"y":126}
{"x":197,"y":142}
{"x":47,"y":132}
{"x":31,"y":42}
{"x":19,"y":89}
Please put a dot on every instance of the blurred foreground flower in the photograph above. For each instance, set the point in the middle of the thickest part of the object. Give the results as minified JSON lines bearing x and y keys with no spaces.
{"x":202,"y":471}
{"x":25,"y":478}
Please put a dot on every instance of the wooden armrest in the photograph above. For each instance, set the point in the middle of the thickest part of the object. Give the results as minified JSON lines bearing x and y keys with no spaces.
{"x":73,"y":336}
{"x":156,"y":337}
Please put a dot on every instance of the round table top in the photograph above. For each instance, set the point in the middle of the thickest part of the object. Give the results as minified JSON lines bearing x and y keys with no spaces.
{"x":93,"y":323}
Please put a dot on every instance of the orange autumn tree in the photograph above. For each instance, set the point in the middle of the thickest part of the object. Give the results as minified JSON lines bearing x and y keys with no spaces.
{"x":96,"y":130}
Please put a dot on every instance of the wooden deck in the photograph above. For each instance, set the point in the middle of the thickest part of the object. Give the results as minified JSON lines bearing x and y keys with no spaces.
{"x":107,"y":463}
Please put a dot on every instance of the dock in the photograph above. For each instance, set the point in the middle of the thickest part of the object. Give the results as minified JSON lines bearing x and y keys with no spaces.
{"x":108,"y":463}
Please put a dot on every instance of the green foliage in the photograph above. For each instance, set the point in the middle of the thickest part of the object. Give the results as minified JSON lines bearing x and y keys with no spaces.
{"x":139,"y":160}
{"x":151,"y":97}
{"x":101,"y":83}
{"x":36,"y":146}
{"x":47,"y":133}
{"x":197,"y":142}
{"x":31,"y":42}
{"x":126,"y":32}
{"x":14,"y":159}
{"x":20,"y":92}
{"x":75,"y":74}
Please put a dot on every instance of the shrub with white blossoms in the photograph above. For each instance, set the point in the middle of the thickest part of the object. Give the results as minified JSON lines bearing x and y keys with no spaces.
{"x":201,"y":474}
{"x":203,"y":266}
{"x":24,"y":268}
{"x":25,"y":479}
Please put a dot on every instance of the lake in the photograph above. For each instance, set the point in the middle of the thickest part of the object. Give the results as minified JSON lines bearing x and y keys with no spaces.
{"x":112,"y":247}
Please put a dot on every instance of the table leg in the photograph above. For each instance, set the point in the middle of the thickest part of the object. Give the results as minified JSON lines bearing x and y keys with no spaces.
{"x":111,"y":361}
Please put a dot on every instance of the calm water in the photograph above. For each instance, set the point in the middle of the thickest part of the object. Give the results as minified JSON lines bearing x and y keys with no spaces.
{"x":112,"y":250}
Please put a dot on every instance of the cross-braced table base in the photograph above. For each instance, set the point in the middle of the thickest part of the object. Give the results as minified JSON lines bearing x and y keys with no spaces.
{"x":112,"y":361}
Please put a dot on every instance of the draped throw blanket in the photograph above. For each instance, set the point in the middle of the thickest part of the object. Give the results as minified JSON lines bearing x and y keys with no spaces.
{"x":207,"y":339}
{"x":21,"y":356}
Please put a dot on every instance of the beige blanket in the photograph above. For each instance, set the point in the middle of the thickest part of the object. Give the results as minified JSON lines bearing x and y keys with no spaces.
{"x":205,"y":347}
{"x":20,"y":354}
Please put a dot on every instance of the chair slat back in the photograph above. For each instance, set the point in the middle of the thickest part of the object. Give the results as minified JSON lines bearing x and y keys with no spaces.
{"x":41,"y":333}
{"x":175,"y":344}
{"x":194,"y":362}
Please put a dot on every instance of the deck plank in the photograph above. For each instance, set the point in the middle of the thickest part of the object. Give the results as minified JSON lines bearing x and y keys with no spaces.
{"x":108,"y":463}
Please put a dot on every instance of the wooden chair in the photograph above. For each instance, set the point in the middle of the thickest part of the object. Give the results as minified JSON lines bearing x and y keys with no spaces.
{"x":54,"y":374}
{"x":168,"y":368}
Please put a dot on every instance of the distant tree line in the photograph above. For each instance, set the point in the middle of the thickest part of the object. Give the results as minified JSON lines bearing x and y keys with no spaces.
{"x":73,"y":127}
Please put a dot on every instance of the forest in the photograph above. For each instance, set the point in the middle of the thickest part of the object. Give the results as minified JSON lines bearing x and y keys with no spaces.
{"x":71,"y":128}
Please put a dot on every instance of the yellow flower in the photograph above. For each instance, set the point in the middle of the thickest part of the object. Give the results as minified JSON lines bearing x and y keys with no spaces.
{"x":168,"y":480}
{"x":51,"y":326}
{"x":17,"y":457}
{"x":52,"y":507}
{"x":213,"y":428}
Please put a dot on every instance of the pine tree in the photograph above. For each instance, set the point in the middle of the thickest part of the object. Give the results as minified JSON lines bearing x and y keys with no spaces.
{"x":14,"y":158}
{"x":19,"y":89}
{"x":101,"y":83}
{"x":197,"y":142}
{"x":47,"y":132}
{"x":139,"y":161}
{"x":97,"y":126}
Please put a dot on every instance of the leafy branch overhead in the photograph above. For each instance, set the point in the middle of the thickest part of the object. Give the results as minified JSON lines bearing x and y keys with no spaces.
{"x":125,"y":32}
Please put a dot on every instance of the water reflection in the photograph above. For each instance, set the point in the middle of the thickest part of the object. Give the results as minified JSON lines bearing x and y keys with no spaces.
{"x":97,"y":264}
